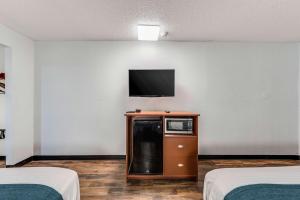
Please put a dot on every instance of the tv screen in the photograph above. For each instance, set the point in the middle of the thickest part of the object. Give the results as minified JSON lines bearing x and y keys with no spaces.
{"x":151,"y":83}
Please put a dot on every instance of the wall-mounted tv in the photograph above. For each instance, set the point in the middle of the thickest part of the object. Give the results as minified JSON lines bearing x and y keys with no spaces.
{"x":152,"y":83}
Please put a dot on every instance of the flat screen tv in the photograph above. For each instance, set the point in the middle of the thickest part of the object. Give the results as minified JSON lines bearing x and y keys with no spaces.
{"x":152,"y":83}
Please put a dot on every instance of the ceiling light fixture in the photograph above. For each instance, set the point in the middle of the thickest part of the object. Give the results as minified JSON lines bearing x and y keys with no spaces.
{"x":148,"y":32}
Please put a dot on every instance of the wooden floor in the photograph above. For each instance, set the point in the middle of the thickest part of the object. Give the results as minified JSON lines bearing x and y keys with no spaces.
{"x":105,"y":179}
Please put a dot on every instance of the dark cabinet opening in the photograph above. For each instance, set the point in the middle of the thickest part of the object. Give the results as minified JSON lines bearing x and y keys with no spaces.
{"x":147,"y":146}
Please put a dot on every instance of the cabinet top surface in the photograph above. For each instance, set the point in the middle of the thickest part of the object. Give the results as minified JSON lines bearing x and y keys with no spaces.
{"x":161,"y":113}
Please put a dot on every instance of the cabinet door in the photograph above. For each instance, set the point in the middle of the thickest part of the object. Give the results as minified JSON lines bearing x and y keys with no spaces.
{"x":180,"y":155}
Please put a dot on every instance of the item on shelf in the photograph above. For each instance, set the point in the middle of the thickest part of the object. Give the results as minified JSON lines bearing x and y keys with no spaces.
{"x":2,"y":83}
{"x":2,"y":133}
{"x":130,"y":111}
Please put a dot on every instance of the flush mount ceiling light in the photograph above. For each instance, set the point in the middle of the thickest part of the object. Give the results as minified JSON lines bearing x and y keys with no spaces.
{"x":148,"y":32}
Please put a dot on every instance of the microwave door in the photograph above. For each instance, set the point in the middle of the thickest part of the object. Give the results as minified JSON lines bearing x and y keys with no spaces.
{"x":175,"y":125}
{"x":179,"y":126}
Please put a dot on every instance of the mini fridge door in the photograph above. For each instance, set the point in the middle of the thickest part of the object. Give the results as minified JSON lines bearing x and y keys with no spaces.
{"x":147,"y":148}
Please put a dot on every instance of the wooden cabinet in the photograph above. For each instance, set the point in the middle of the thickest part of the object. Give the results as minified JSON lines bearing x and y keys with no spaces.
{"x":180,"y":152}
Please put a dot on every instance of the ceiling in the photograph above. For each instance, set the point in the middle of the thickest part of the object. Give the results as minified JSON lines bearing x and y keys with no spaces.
{"x":185,"y":20}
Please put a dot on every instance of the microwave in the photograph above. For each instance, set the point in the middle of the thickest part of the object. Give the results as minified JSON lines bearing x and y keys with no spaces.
{"x":179,"y":126}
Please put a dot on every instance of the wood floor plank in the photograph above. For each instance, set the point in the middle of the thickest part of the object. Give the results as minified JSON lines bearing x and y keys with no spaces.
{"x":105,"y":179}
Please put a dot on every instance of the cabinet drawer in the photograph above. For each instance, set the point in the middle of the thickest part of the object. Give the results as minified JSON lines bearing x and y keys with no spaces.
{"x":180,"y":146}
{"x":180,"y":166}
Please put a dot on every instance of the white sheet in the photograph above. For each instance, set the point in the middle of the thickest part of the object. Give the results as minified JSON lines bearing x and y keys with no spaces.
{"x":64,"y":181}
{"x":219,"y":182}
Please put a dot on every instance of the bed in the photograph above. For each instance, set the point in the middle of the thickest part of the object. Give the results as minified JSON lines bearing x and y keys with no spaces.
{"x":58,"y":183}
{"x":268,"y":182}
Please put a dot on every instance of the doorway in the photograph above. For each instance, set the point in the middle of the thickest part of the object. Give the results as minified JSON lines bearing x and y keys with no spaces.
{"x":2,"y":103}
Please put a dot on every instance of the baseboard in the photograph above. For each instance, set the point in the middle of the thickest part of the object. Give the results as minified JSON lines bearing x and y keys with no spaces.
{"x":250,"y":157}
{"x":122,"y":157}
{"x":67,"y":157}
{"x":79,"y":157}
{"x":20,"y":164}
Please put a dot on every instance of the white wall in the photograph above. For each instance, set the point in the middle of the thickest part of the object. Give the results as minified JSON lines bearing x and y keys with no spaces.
{"x":2,"y":104}
{"x":19,"y":68}
{"x":246,"y":94}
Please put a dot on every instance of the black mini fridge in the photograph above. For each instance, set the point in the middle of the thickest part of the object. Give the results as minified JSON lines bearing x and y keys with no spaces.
{"x":147,"y":146}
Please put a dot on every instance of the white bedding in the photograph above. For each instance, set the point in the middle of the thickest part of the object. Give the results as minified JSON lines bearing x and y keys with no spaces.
{"x":64,"y":181}
{"x":219,"y":182}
